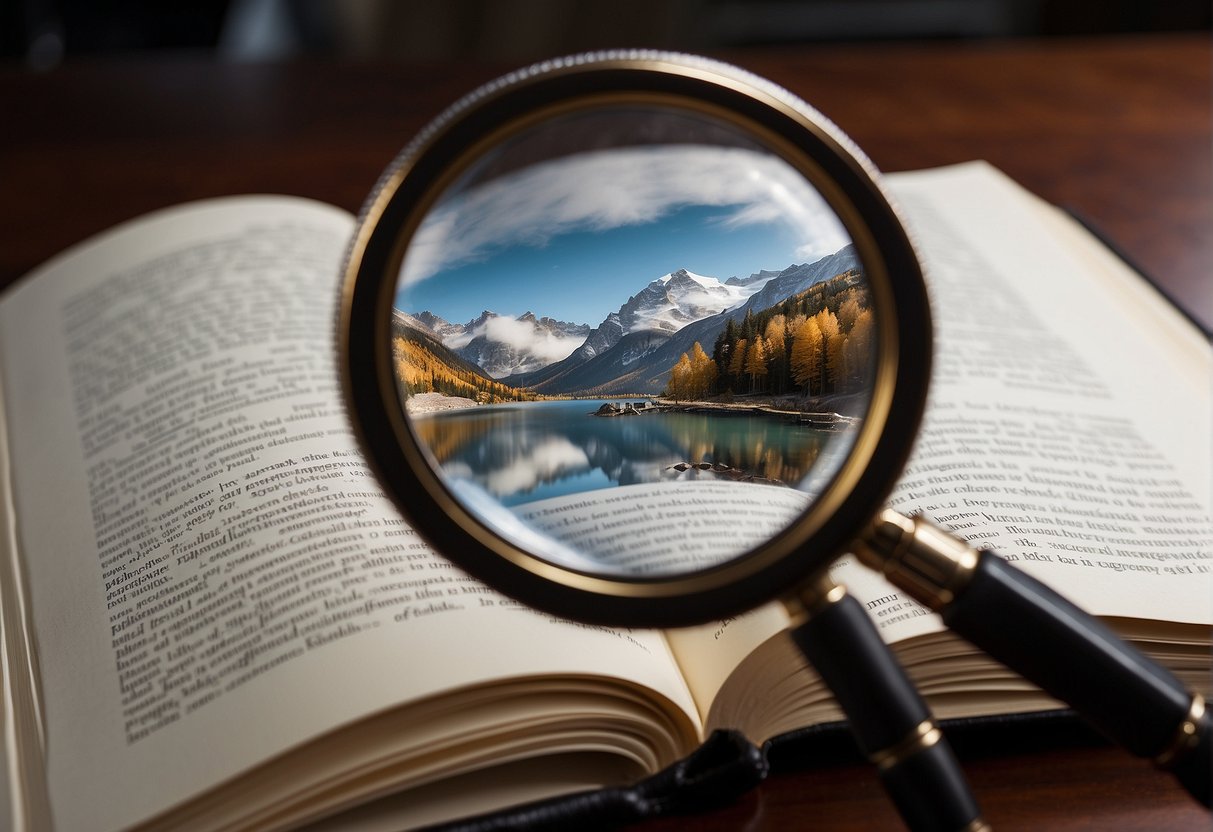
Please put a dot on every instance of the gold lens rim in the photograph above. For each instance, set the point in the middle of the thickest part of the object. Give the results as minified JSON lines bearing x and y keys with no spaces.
{"x":800,"y":135}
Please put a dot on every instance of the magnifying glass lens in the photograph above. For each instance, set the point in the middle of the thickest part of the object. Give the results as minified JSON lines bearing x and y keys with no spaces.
{"x":635,"y":340}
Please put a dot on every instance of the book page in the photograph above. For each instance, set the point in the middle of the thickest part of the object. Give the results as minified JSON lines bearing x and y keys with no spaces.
{"x":1069,"y":421}
{"x":1068,"y":425}
{"x":214,"y":576}
{"x":14,"y":736}
{"x":679,"y":527}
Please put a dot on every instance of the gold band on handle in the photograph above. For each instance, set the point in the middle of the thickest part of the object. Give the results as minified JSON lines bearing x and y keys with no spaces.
{"x":924,"y":735}
{"x":926,"y":561}
{"x":813,"y":600}
{"x":1187,"y":735}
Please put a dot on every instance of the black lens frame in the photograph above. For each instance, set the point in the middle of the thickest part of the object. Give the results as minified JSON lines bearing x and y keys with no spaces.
{"x":394,"y":211}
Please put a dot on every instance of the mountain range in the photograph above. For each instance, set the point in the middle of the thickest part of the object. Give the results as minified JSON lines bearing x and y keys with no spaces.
{"x":633,"y":348}
{"x":502,"y":346}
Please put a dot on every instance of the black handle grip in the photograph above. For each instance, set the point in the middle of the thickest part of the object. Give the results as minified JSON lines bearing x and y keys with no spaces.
{"x":889,"y":718}
{"x":1077,"y":659}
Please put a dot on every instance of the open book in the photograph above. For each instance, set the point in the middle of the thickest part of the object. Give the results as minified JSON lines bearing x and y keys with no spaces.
{"x":212,"y":617}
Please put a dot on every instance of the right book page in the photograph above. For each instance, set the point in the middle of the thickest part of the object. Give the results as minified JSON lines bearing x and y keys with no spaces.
{"x":1068,"y":428}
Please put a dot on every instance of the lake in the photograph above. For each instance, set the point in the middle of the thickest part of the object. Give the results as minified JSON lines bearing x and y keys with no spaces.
{"x":531,"y":451}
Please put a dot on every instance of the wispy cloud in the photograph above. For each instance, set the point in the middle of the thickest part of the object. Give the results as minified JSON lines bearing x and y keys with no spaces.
{"x":521,"y":335}
{"x":545,"y":461}
{"x":607,"y":189}
{"x":525,"y":337}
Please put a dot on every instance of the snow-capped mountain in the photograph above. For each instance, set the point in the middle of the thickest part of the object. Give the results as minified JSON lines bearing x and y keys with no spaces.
{"x":503,"y":346}
{"x":604,"y":336}
{"x":640,"y":361}
{"x":527,"y":345}
{"x":761,"y":278}
{"x":671,"y":302}
{"x":652,"y":373}
{"x":431,"y":323}
{"x":647,"y":319}
{"x":796,"y":278}
{"x":631,"y":348}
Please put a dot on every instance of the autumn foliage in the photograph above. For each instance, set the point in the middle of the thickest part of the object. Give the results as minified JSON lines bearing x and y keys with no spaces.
{"x":818,"y":342}
{"x":694,"y":376}
{"x":422,"y":368}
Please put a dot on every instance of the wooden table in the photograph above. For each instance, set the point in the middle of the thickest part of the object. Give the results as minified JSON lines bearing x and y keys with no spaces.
{"x":1117,"y":130}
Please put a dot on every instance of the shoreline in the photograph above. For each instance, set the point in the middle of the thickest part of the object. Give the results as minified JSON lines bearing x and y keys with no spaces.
{"x":820,"y":417}
{"x":424,"y":404}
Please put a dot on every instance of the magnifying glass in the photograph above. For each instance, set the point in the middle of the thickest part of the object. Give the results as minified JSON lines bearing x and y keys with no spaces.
{"x":542,"y":384}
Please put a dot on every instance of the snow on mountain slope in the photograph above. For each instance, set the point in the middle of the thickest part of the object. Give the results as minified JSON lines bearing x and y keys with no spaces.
{"x":671,"y":302}
{"x":504,"y":346}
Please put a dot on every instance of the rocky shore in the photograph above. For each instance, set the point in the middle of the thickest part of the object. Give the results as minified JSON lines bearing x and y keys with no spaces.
{"x":422,"y":404}
{"x":823,"y":419}
{"x":715,"y":471}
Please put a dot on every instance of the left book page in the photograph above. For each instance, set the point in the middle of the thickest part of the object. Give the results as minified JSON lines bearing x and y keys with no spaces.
{"x":216,"y":585}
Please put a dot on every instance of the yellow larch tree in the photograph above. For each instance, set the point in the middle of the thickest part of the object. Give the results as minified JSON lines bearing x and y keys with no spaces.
{"x":775,"y":337}
{"x":680,"y":379}
{"x":857,"y":352}
{"x":756,"y":361}
{"x":806,"y":355}
{"x":737,"y":362}
{"x":831,"y":347}
{"x":703,"y":373}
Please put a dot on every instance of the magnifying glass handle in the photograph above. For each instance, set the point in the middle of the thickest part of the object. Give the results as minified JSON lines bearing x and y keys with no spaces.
{"x":1046,"y":639}
{"x":888,"y":717}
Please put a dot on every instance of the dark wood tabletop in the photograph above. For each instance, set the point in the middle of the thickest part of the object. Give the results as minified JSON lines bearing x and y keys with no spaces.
{"x":1117,"y":130}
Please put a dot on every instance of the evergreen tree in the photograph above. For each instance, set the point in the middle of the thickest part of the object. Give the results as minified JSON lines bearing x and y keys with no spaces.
{"x":722,"y":351}
{"x":748,"y":328}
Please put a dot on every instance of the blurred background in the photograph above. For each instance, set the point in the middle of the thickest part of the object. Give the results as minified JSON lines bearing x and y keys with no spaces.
{"x":44,"y":33}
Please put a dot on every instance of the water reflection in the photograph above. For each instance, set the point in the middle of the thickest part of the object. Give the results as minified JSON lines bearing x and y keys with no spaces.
{"x":530,"y":451}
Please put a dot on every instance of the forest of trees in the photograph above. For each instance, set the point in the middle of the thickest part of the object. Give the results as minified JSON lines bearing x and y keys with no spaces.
{"x":817,"y":343}
{"x":421,"y":368}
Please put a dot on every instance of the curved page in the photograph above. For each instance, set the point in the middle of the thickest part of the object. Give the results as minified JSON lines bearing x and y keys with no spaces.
{"x":213,"y":574}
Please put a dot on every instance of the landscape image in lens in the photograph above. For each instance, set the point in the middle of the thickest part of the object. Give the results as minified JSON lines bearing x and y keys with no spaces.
{"x":679,"y":336}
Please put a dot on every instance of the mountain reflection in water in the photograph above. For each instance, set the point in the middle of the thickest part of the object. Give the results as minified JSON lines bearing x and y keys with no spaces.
{"x":535,"y":450}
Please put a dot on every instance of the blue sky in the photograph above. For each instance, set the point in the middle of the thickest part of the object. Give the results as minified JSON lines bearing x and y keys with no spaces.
{"x":574,"y":237}
{"x":582,"y":276}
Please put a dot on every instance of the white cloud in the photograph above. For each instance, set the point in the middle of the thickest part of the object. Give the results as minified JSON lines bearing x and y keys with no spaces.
{"x":625,"y":186}
{"x":545,"y":461}
{"x":525,"y":338}
{"x":459,"y":340}
{"x":522,"y":336}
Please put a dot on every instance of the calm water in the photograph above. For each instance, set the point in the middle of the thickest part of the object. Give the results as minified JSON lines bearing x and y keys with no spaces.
{"x":535,"y":450}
